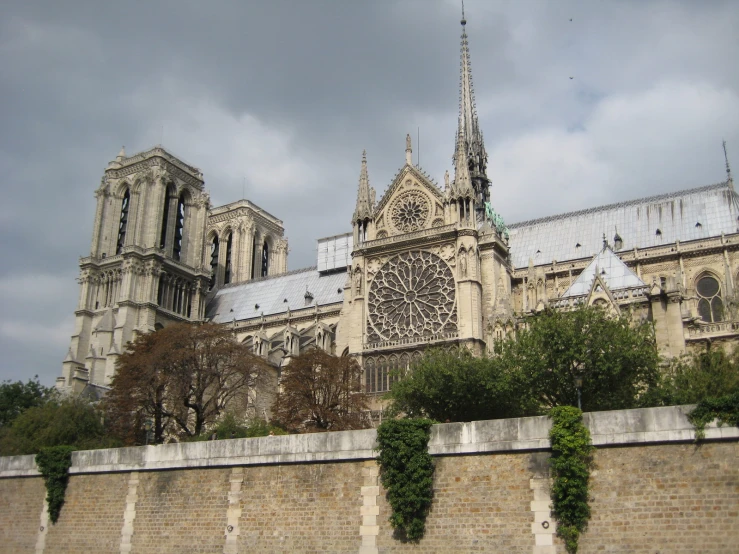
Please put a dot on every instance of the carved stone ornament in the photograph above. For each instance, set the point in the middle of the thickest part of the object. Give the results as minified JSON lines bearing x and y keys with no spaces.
{"x":410,"y":211}
{"x":412,"y":295}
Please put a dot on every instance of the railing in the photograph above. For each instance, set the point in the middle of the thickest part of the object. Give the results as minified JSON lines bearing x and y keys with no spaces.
{"x":411,"y":340}
{"x":406,"y":236}
{"x":718,"y":328}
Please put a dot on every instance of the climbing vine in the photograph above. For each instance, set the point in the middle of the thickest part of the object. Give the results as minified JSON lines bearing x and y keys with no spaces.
{"x":53,"y":463}
{"x":572,"y":458}
{"x":406,"y":472}
{"x":725,"y":409}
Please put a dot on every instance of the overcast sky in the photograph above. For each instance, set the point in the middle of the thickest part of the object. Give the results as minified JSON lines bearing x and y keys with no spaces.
{"x":280,"y":97}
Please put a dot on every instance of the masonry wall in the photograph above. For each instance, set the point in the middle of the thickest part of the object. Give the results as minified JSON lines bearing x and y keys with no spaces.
{"x":653,"y":490}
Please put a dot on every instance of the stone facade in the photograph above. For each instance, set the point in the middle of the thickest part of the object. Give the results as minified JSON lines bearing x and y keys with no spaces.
{"x":652,"y":490}
{"x":424,"y":265}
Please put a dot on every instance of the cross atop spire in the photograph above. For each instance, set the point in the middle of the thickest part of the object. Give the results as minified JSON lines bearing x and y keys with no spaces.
{"x":470,"y":148}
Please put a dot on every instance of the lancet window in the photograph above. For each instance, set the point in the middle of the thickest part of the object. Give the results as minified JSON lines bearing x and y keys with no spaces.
{"x":179,"y":228}
{"x":213,"y":262}
{"x":710,"y":304}
{"x":175,"y":294}
{"x":123,"y":224}
{"x":265,"y":259}
{"x":227,"y":273}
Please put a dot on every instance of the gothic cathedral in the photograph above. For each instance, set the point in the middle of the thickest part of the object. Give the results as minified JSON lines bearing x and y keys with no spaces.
{"x":423,"y":266}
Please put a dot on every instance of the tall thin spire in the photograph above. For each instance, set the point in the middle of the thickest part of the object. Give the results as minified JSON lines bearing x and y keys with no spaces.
{"x":729,"y":178}
{"x":470,"y":157}
{"x":364,"y":194}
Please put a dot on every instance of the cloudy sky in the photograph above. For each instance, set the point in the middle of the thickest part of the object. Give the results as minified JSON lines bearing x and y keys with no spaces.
{"x":279,"y":97}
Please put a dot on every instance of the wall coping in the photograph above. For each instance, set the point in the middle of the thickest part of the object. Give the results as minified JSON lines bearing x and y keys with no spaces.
{"x":607,"y":429}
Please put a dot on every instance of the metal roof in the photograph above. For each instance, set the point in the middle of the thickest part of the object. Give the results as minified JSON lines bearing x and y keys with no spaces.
{"x":274,"y":295}
{"x":686,"y":215}
{"x":613,"y":272}
{"x":335,"y":252}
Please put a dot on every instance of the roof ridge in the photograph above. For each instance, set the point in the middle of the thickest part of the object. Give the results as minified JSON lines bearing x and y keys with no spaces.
{"x":268,"y":277}
{"x":605,"y":207}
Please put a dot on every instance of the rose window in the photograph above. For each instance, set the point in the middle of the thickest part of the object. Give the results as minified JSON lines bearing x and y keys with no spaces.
{"x":412,"y":295}
{"x":410,"y":211}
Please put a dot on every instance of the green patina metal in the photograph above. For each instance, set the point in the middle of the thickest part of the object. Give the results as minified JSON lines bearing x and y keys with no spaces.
{"x":496,"y":221}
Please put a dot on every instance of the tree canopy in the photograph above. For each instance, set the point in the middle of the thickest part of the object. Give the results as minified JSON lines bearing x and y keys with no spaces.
{"x":180,"y":379}
{"x":16,"y":397}
{"x":320,"y":392}
{"x":69,"y":421}
{"x":616,"y":359}
{"x":456,"y":386}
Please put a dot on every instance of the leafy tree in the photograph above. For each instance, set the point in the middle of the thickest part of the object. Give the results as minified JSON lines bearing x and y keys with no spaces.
{"x":71,"y":421}
{"x":320,"y":392}
{"x":711,"y":373}
{"x":181,"y":377}
{"x":17,"y":397}
{"x":615,"y":357}
{"x":230,"y":427}
{"x":456,"y":386}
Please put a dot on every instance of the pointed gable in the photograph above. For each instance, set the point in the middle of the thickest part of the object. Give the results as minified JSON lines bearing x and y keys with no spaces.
{"x":611,"y":272}
{"x":412,"y":202}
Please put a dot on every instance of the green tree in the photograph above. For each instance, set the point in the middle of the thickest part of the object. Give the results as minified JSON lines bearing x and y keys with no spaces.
{"x":454,"y":385}
{"x":616,"y":358}
{"x":17,"y":397}
{"x":710,"y":373}
{"x":320,"y":392}
{"x":70,"y":421}
{"x":181,"y":378}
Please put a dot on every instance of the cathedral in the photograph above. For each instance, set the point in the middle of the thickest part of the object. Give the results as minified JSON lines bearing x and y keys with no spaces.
{"x":424,"y":265}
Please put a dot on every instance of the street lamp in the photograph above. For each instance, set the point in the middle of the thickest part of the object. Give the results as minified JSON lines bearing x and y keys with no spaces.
{"x":578,"y":386}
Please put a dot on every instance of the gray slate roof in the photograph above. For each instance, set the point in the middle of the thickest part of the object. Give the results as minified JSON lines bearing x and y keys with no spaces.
{"x":238,"y":301}
{"x":676,"y":215}
{"x":613,"y":272}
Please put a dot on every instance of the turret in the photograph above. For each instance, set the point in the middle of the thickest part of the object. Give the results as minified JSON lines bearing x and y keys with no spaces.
{"x":363,"y":218}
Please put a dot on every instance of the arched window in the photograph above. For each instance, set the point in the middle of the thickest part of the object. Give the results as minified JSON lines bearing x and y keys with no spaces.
{"x":265,"y":259}
{"x":123,"y":223}
{"x":179,"y":228}
{"x":213,"y":262}
{"x":710,"y":305}
{"x":254,"y":257}
{"x":227,"y":274}
{"x":165,"y":217}
{"x":369,"y":376}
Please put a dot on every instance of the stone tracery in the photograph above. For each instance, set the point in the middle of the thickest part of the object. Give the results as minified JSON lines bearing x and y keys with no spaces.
{"x":412,"y":295}
{"x":410,"y":211}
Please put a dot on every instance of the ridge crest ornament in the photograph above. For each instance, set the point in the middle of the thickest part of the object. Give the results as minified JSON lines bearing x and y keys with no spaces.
{"x":412,"y":295}
{"x":410,"y":211}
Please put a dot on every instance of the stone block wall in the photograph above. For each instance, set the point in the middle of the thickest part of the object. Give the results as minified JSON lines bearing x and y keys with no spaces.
{"x":653,"y":490}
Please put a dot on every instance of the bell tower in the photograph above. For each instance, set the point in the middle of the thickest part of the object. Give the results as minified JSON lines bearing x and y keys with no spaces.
{"x":145,"y":266}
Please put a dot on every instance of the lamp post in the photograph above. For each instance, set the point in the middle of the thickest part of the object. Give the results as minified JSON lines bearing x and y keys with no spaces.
{"x":578,"y":386}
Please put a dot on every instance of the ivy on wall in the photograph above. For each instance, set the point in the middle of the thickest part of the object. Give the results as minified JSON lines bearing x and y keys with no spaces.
{"x":54,"y":462}
{"x":572,"y":458}
{"x":725,"y":409}
{"x":406,"y":472}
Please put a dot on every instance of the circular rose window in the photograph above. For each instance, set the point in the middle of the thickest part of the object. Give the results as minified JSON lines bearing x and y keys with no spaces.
{"x":412,"y":295}
{"x":410,"y":211}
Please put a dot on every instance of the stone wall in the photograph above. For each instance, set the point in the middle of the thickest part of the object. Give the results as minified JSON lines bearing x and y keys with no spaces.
{"x":653,"y":490}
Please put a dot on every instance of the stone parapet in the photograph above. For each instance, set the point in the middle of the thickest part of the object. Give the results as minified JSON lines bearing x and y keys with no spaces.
{"x":613,"y":428}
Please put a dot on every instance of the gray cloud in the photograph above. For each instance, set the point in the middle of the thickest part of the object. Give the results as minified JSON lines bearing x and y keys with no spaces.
{"x":279,"y":98}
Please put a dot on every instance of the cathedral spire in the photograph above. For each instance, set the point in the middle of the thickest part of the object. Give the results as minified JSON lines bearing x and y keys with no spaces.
{"x":470,"y":157}
{"x":364,"y":194}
